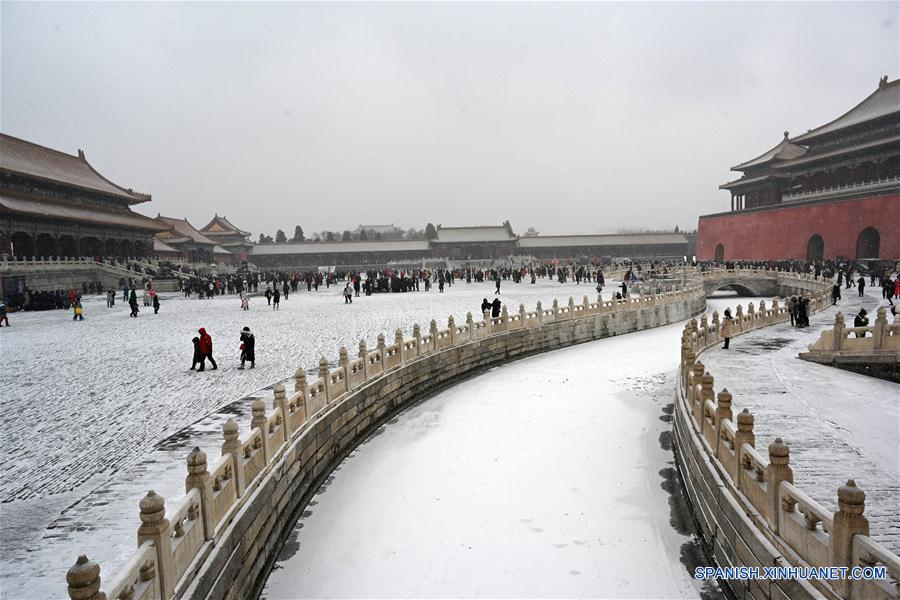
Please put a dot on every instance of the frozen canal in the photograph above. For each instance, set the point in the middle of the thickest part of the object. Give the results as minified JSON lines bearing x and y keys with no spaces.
{"x":542,"y":478}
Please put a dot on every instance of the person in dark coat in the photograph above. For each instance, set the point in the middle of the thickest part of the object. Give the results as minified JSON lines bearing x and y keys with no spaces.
{"x":495,"y":307}
{"x":861,"y":320}
{"x":248,"y":348}
{"x":861,"y":285}
{"x":485,"y":305}
{"x":133,"y":303}
{"x":276,"y":298}
{"x":155,"y":304}
{"x":198,"y":356}
{"x":206,"y":349}
{"x":497,"y":283}
{"x":835,"y":294}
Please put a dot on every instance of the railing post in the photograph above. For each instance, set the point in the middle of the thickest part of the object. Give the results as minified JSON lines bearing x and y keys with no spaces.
{"x":280,"y":401}
{"x":586,"y":304}
{"x":434,"y":335}
{"x":156,"y":528}
{"x":699,"y":370}
{"x":555,"y":309}
{"x":723,"y":410}
{"x":232,"y":446}
{"x":344,"y":362}
{"x":84,"y":580}
{"x":470,"y":325}
{"x":522,"y":316}
{"x":762,"y":312}
{"x":417,"y":335}
{"x":504,"y":319}
{"x":744,"y":434}
{"x":451,"y":327}
{"x":258,"y":409}
{"x":775,"y":316}
{"x":326,"y":380}
{"x":198,"y":478}
{"x":382,"y":352}
{"x":751,"y":315}
{"x":838,"y":331}
{"x":704,"y":328}
{"x":540,"y":313}
{"x":848,"y":521}
{"x":880,"y":328}
{"x":487,"y":322}
{"x":571,"y":307}
{"x":706,"y":393}
{"x":739,"y":318}
{"x":778,"y":470}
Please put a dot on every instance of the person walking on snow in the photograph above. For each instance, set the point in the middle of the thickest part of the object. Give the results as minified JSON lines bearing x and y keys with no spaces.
{"x":495,"y":308}
{"x":268,"y":295}
{"x":348,"y":294}
{"x":497,"y":283}
{"x":276,"y":298}
{"x":206,"y":350}
{"x":198,"y":356}
{"x":78,"y":311}
{"x":3,"y":317}
{"x":133,"y":303}
{"x":725,"y":329}
{"x":835,"y":294}
{"x":248,"y":348}
{"x":155,"y":297}
{"x":861,"y":285}
{"x":245,"y":302}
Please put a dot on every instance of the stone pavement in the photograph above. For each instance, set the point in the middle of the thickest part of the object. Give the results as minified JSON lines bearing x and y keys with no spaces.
{"x":839,"y":425}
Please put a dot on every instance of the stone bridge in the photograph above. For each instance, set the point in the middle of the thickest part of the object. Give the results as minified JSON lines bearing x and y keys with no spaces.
{"x":758,"y":282}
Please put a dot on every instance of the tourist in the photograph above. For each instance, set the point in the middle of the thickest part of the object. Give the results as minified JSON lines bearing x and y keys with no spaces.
{"x":887,"y":287}
{"x":245,"y":301}
{"x":861,"y":320}
{"x":725,"y":329}
{"x":133,"y":303}
{"x":3,"y":317}
{"x":206,"y":350}
{"x":146,"y":296}
{"x":248,"y":348}
{"x":497,"y":282}
{"x":276,"y":299}
{"x":198,"y":356}
{"x":110,"y":298}
{"x":792,"y":308}
{"x":268,"y":295}
{"x":835,"y":294}
{"x":861,"y":285}
{"x":348,"y":294}
{"x":155,"y":297}
{"x":485,"y":306}
{"x":897,"y":287}
{"x":495,"y":308}
{"x":78,"y":312}
{"x":802,"y":312}
{"x":285,"y":289}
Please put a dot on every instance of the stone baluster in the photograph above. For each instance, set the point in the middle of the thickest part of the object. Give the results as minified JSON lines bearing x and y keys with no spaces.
{"x":555,"y":309}
{"x":258,"y":410}
{"x":382,"y":351}
{"x":571,"y":307}
{"x":751,"y":316}
{"x":706,"y":393}
{"x":689,"y":360}
{"x":764,"y":318}
{"x":198,"y":478}
{"x":156,"y":528}
{"x":417,"y":335}
{"x":778,"y":470}
{"x":434,"y":334}
{"x":451,"y":327}
{"x":83,"y":579}
{"x":504,"y":318}
{"x":699,"y":370}
{"x":232,"y":447}
{"x":398,"y":342}
{"x":470,"y":325}
{"x":522,"y":315}
{"x":487,"y":321}
{"x":738,"y":319}
{"x":723,"y":410}
{"x":848,"y":521}
{"x":775,"y":307}
{"x":586,"y":304}
{"x":715,"y":325}
{"x":744,"y":434}
{"x":879,"y":330}
{"x":364,"y":355}
{"x":704,"y":329}
{"x":326,"y":380}
{"x":281,"y":401}
{"x":300,"y":384}
{"x":540,"y":313}
{"x":838,"y":331}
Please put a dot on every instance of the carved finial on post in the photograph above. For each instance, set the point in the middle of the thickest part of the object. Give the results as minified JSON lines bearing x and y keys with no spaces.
{"x":326,"y":380}
{"x":84,"y":580}
{"x":847,"y":522}
{"x":744,"y":434}
{"x":723,"y":407}
{"x":198,"y":478}
{"x":258,"y":420}
{"x":470,"y":325}
{"x":417,"y":335}
{"x":280,"y":401}
{"x":571,"y":307}
{"x":838,"y":332}
{"x":156,"y":528}
{"x":451,"y":328}
{"x":778,"y":470}
{"x":504,"y":318}
{"x":540,"y":312}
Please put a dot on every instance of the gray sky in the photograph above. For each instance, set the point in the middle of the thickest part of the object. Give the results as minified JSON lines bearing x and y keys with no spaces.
{"x":573,"y":118}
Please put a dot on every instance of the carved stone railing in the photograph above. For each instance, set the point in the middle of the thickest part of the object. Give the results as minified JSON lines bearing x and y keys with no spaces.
{"x":878,"y":185}
{"x":749,"y":511}
{"x":229,"y":514}
{"x":879,"y":338}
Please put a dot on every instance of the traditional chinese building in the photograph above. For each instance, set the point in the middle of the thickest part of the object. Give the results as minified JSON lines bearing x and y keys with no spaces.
{"x":473,"y":243}
{"x":832,"y":192}
{"x":192,"y":245}
{"x":55,"y":204}
{"x":236,"y":242}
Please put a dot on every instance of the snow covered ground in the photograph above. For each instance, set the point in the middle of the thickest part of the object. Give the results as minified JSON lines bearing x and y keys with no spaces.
{"x":98,"y":412}
{"x":839,"y":425}
{"x":545,"y":477}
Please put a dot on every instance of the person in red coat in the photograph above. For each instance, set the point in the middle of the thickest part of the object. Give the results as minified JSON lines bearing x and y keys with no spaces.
{"x":206,"y":349}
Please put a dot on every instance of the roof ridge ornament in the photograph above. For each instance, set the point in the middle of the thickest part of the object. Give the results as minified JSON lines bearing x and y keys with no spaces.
{"x":787,"y":134}
{"x":883,"y":81}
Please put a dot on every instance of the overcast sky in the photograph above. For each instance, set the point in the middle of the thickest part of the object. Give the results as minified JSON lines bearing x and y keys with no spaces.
{"x":573,"y":118}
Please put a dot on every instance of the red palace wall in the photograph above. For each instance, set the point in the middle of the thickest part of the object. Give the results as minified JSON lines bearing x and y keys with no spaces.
{"x":784,"y":232}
